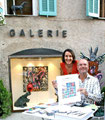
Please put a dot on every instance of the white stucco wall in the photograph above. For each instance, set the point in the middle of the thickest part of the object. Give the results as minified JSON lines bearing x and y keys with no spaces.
{"x":82,"y":33}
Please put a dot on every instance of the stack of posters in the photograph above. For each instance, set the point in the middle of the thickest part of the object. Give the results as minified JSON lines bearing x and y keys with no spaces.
{"x":74,"y":113}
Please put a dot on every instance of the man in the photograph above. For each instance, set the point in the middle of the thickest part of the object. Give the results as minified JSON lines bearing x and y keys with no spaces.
{"x":89,"y":85}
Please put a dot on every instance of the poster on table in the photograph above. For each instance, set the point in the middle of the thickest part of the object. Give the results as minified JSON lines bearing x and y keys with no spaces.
{"x":67,"y":89}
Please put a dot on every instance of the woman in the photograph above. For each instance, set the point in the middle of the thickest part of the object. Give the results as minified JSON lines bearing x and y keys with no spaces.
{"x":68,"y":65}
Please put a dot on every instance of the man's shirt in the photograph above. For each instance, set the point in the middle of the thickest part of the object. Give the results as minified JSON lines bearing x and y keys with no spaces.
{"x":92,"y":86}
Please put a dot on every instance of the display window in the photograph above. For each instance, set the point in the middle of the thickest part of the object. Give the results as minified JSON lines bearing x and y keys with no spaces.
{"x":32,"y":75}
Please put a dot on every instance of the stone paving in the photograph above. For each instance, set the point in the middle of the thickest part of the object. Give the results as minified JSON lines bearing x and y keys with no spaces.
{"x":20,"y":116}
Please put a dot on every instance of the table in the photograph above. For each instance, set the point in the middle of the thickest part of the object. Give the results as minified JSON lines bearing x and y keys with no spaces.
{"x":56,"y":112}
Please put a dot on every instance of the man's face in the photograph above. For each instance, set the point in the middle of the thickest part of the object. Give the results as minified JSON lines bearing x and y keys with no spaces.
{"x":83,"y":66}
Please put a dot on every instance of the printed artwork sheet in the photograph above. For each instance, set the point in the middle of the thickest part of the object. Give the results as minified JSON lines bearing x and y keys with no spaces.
{"x":67,"y":89}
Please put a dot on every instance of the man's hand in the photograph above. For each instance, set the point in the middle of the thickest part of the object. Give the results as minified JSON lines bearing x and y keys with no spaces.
{"x":54,"y":82}
{"x":83,"y":91}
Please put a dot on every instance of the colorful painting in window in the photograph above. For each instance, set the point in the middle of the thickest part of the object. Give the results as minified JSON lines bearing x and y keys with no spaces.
{"x":37,"y":76}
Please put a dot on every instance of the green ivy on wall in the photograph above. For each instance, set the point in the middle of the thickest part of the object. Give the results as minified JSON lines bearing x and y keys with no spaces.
{"x":2,"y":20}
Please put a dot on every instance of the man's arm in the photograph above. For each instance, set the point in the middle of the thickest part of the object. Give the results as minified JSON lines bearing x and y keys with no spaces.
{"x":95,"y":94}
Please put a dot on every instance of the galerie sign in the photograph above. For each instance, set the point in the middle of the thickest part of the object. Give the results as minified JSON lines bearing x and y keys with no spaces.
{"x":39,"y":33}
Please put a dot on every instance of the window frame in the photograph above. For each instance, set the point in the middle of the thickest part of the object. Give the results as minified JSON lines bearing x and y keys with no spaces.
{"x":88,"y":7}
{"x":34,"y":8}
{"x":47,"y":12}
{"x":2,"y":13}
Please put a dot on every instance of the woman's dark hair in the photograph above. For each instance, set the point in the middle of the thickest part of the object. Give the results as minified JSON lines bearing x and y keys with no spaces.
{"x":68,"y":50}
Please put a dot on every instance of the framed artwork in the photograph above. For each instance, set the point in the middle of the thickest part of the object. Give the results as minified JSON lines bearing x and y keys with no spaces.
{"x":37,"y":76}
{"x":67,"y":89}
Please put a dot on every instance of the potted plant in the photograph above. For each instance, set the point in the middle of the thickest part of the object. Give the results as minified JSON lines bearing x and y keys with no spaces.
{"x":101,"y":104}
{"x":103,"y":93}
{"x":5,"y":101}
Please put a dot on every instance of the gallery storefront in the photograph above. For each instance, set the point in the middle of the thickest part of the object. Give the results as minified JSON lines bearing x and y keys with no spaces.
{"x":31,"y":43}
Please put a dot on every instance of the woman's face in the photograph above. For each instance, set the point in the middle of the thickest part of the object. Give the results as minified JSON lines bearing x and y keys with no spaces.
{"x":68,"y":58}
